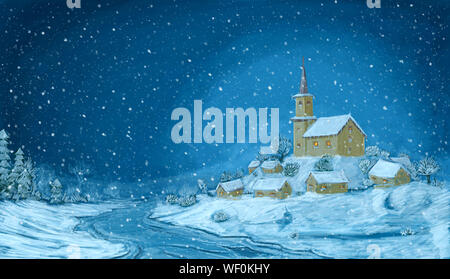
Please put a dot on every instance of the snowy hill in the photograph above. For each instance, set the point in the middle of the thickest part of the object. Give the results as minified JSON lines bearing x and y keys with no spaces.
{"x":408,"y":221}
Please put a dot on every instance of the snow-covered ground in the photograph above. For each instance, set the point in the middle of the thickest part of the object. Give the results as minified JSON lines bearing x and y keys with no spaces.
{"x":32,"y":229}
{"x":409,"y":221}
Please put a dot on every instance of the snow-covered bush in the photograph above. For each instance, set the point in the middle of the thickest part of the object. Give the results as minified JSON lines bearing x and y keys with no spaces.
{"x":228,"y":176}
{"x":384,"y":154}
{"x":220,"y":216}
{"x":427,"y":167}
{"x":373,"y":151}
{"x":407,"y":231}
{"x":437,"y":183}
{"x":365,"y":165}
{"x":187,"y":201}
{"x":325,"y":163}
{"x":171,"y":199}
{"x":294,"y":235}
{"x":291,"y":169}
{"x":367,"y":183}
{"x":202,"y":187}
{"x":284,"y":148}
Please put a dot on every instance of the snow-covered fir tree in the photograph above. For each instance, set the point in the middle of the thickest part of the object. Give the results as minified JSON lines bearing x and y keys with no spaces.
{"x":31,"y":173}
{"x":56,"y":191}
{"x":15,"y":174}
{"x":325,"y":163}
{"x":5,"y":166}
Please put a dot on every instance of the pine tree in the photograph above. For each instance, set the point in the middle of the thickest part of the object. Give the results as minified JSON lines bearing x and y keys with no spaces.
{"x":31,"y":174}
{"x":56,"y":191}
{"x":16,"y":177}
{"x":5,"y":165}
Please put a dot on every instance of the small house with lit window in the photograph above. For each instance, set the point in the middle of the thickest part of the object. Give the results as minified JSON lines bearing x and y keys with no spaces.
{"x":277,"y":188}
{"x":387,"y":174}
{"x":253,"y":166}
{"x":230,"y":189}
{"x":271,"y":166}
{"x":327,"y":182}
{"x":336,"y":135}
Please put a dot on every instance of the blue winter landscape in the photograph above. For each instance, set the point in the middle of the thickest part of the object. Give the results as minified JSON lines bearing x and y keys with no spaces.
{"x":114,"y":136}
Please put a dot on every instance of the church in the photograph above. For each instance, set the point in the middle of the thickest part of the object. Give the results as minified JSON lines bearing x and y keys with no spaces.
{"x":335,"y":135}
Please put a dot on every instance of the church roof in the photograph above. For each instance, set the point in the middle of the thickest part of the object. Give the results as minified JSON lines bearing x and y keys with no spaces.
{"x":327,"y":126}
{"x":303,"y":83}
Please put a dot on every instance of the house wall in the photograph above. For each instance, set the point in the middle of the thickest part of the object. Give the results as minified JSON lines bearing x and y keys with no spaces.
{"x":277,"y":169}
{"x":300,"y":127}
{"x":340,"y":144}
{"x":402,"y":177}
{"x":306,"y":109}
{"x":322,"y":147}
{"x":356,"y":146}
{"x":283,"y":193}
{"x":221,"y":193}
{"x":325,"y":188}
{"x":250,"y":170}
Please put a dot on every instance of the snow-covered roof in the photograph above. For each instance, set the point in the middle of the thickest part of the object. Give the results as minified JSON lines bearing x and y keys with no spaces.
{"x":302,"y":95}
{"x":267,"y":184}
{"x":329,"y":176}
{"x":270,"y":164}
{"x":327,"y":126}
{"x":385,"y":169}
{"x":303,"y":118}
{"x":402,"y":160}
{"x":232,"y":185}
{"x":254,"y":164}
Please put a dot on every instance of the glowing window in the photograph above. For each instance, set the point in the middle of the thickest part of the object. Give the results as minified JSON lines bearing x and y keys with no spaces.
{"x":316,"y":144}
{"x":329,"y":144}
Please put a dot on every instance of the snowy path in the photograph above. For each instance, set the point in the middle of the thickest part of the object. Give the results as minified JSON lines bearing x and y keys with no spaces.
{"x":148,"y":238}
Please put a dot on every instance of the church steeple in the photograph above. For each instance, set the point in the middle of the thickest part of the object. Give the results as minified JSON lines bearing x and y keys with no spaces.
{"x":303,"y":99}
{"x":303,"y":83}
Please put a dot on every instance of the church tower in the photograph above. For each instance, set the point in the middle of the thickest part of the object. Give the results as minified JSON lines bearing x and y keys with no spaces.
{"x":304,"y":116}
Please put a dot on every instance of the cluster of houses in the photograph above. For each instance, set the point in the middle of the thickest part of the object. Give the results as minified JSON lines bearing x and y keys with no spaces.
{"x":314,"y":137}
{"x":385,"y":173}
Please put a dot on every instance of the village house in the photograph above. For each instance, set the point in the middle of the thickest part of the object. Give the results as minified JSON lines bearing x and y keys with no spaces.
{"x":272,"y":187}
{"x":327,"y":182}
{"x":337,"y":135}
{"x":387,"y":174}
{"x":271,"y":166}
{"x":253,"y":166}
{"x":230,"y":189}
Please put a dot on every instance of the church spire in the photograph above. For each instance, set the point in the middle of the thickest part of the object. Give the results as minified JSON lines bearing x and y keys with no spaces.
{"x":303,"y":84}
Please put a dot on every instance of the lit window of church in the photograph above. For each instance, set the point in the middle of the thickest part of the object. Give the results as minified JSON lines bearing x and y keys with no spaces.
{"x":329,"y":144}
{"x":316,"y":144}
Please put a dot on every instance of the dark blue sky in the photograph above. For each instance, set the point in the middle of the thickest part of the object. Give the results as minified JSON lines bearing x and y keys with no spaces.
{"x":98,"y":84}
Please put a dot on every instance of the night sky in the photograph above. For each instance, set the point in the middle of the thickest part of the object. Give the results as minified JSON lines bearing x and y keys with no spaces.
{"x":98,"y":84}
